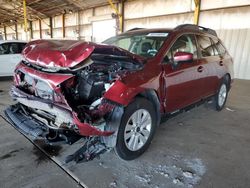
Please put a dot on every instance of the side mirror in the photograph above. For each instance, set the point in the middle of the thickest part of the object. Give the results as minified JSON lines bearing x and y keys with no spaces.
{"x":183,"y":57}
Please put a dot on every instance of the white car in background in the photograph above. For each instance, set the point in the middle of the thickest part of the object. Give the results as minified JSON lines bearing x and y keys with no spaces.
{"x":10,"y":55}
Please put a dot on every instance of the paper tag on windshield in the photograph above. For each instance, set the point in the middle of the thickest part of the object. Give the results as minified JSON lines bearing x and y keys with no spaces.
{"x":157,"y":34}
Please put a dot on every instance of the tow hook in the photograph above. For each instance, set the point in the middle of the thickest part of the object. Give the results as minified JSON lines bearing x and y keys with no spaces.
{"x":91,"y":149}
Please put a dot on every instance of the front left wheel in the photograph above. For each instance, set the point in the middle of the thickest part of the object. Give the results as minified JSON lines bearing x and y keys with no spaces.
{"x":136,"y":130}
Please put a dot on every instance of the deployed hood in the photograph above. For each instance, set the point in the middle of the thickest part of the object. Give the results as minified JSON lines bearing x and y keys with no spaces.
{"x":68,"y":53}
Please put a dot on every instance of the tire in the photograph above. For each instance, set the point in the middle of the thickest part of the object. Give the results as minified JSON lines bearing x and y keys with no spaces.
{"x":221,"y":95}
{"x":134,"y":138}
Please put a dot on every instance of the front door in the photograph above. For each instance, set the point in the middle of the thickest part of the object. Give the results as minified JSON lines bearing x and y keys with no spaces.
{"x":182,"y":83}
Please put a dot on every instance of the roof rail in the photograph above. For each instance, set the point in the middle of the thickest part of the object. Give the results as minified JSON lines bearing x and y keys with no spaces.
{"x":196,"y":27}
{"x":134,"y":29}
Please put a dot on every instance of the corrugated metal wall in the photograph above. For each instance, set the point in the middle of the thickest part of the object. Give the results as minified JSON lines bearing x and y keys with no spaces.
{"x":233,"y":28}
{"x":237,"y":42}
{"x":231,"y":24}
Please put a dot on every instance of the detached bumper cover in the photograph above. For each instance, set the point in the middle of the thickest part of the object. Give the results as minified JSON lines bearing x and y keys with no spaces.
{"x":25,"y":124}
{"x":35,"y":127}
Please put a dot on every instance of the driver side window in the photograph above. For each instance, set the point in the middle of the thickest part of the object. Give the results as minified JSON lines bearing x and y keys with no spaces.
{"x":185,"y":43}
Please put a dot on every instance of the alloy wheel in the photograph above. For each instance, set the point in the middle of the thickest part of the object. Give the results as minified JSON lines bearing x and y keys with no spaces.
{"x":138,"y":129}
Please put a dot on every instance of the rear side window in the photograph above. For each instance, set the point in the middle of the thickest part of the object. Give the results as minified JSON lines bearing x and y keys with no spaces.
{"x":205,"y":46}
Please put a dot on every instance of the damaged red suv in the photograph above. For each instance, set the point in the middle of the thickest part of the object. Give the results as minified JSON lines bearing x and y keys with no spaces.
{"x":113,"y":95}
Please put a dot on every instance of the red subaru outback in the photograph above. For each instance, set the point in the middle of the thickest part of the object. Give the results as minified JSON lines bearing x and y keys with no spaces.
{"x":113,"y":95}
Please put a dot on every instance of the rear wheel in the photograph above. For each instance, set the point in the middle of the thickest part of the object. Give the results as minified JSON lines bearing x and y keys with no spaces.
{"x":136,"y":129}
{"x":221,"y":96}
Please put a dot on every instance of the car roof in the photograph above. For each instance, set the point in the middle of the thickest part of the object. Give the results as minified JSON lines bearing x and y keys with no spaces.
{"x":8,"y":41}
{"x":145,"y":30}
{"x":179,"y":29}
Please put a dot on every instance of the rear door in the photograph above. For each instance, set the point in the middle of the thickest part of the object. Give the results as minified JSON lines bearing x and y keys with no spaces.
{"x":182,"y":85}
{"x":211,"y":61}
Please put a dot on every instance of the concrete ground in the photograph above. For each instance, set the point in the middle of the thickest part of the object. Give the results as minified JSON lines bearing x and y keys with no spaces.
{"x":199,"y":148}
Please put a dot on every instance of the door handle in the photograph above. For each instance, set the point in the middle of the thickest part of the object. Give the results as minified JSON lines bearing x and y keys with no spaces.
{"x":221,"y":63}
{"x":200,"y":69}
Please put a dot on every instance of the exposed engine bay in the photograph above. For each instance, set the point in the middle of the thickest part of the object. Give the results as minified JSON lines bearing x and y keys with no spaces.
{"x":84,"y":91}
{"x":93,"y":80}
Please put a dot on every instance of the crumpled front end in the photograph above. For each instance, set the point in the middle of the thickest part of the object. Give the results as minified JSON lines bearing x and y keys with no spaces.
{"x":42,"y":103}
{"x":76,"y":101}
{"x":69,"y":102}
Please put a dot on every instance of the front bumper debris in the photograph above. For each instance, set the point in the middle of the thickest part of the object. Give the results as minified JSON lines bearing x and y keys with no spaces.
{"x":25,"y":124}
{"x":65,"y":116}
{"x":92,"y":146}
{"x":91,"y":149}
{"x":35,"y":129}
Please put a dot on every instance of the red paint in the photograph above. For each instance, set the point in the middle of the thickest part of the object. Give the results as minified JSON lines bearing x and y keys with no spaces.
{"x":86,"y":129}
{"x":121,"y":93}
{"x":58,"y":53}
{"x":67,"y":53}
{"x":183,"y":56}
{"x":175,"y":87}
{"x":54,"y":79}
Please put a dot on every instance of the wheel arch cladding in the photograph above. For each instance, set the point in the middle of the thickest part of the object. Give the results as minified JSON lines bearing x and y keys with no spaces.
{"x":228,"y":79}
{"x":113,"y":124}
{"x":152,"y":96}
{"x":115,"y":119}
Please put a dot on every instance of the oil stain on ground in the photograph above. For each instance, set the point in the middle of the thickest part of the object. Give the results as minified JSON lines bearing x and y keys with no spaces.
{"x":50,"y":151}
{"x":10,"y":154}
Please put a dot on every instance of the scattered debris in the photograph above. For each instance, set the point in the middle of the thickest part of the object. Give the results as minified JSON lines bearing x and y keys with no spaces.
{"x":210,"y":102}
{"x":180,"y":123}
{"x":113,"y":184}
{"x":229,"y":109}
{"x":103,"y":165}
{"x":178,"y":172}
{"x":91,"y":148}
{"x":177,"y":181}
{"x":197,"y":166}
{"x":188,"y":174}
{"x":166,"y":175}
{"x":145,"y":179}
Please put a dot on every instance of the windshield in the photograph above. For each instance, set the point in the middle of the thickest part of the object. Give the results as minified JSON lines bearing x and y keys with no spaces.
{"x":146,"y":45}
